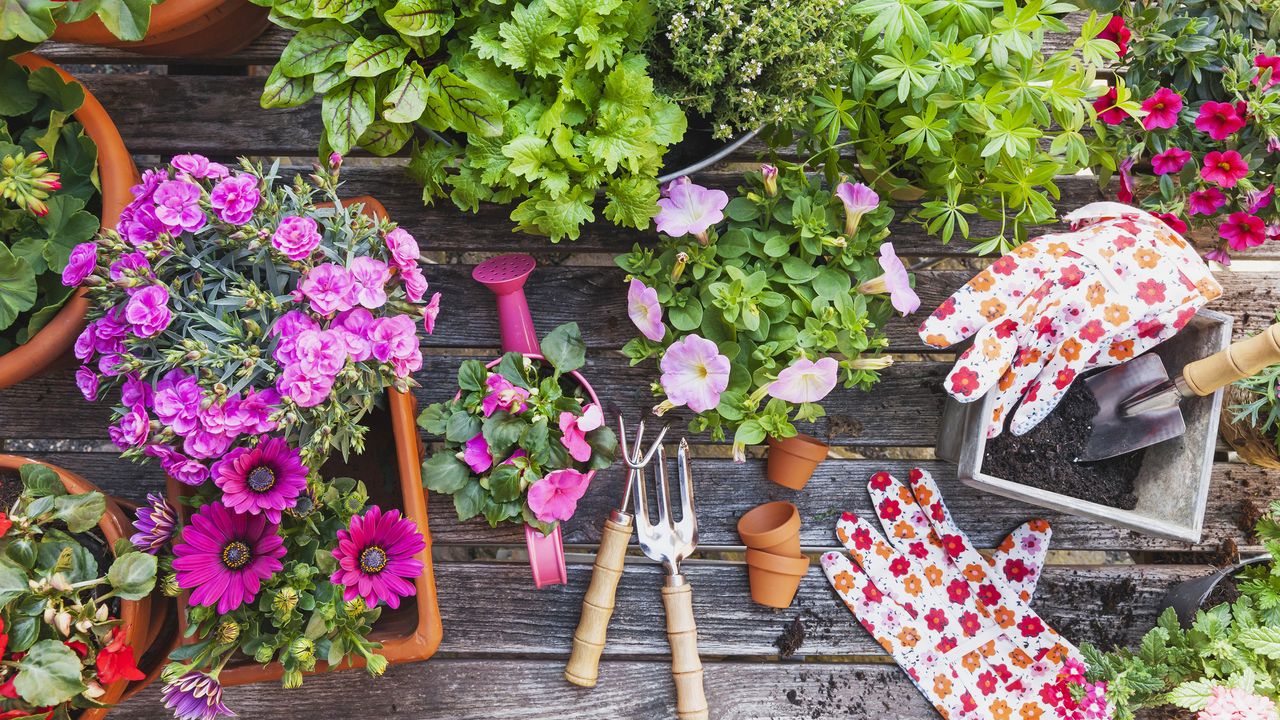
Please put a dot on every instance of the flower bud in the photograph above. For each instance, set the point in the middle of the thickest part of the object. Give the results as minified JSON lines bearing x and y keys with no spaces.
{"x":876,"y":363}
{"x":770,"y":174}
{"x":303,"y":649}
{"x":49,"y":612}
{"x":101,"y":615}
{"x":263,"y":654}
{"x":682,"y":259}
{"x":228,"y":632}
{"x":60,"y":582}
{"x":169,"y":585}
{"x":335,"y":161}
{"x":291,"y":679}
{"x":94,"y":691}
{"x":376,"y":664}
{"x":355,"y":608}
{"x":84,"y":625}
{"x":62,"y":622}
{"x":285,"y":600}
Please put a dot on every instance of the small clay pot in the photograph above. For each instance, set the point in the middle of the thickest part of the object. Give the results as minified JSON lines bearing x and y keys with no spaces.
{"x":792,"y":460}
{"x":773,"y":528}
{"x":774,"y":579}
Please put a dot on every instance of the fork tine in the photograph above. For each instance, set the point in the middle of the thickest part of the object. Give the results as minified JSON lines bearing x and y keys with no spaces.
{"x":687,"y":516}
{"x":622,"y":439}
{"x":640,"y":499}
{"x":664,"y":491}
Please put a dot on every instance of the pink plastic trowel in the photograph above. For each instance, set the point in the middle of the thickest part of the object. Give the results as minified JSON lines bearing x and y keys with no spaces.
{"x":505,"y":275}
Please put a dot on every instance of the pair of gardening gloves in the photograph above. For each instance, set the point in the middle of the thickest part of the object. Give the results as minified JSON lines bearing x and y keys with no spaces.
{"x":959,"y":623}
{"x":1119,"y":283}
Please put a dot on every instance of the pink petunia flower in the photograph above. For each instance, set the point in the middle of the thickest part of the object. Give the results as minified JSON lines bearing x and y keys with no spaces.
{"x":1243,"y":231}
{"x":555,"y":497}
{"x":1224,"y":168}
{"x":1170,"y":161}
{"x":1174,"y":222}
{"x":1106,"y":109}
{"x":1267,"y":62}
{"x":1259,"y":199}
{"x":645,"y":311}
{"x":895,"y":282}
{"x":689,"y":209}
{"x":1219,"y":119}
{"x":1206,"y":202}
{"x":1220,"y":256}
{"x":858,"y":200}
{"x":694,"y":373}
{"x":805,"y":381}
{"x":1162,"y":109}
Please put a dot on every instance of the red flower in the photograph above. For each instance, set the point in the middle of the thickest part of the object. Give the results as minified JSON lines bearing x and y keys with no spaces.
{"x":1005,"y":265}
{"x":1032,"y":392}
{"x":80,"y":648}
{"x":964,"y":381}
{"x":4,"y":639}
{"x":1206,"y":202}
{"x":968,"y":703}
{"x":861,"y":539}
{"x":915,"y":475}
{"x":1224,"y":168}
{"x":1267,"y":62}
{"x":1151,"y":291}
{"x":917,"y":549}
{"x":115,"y":661}
{"x":987,"y":682}
{"x":1006,"y":329}
{"x":988,"y":594}
{"x":1031,"y":626}
{"x":1170,"y":161}
{"x":935,"y":619}
{"x":1220,"y":120}
{"x":1162,"y":109}
{"x":1044,"y":327}
{"x":953,"y":545}
{"x":1091,"y":331}
{"x":1116,"y":32}
{"x":1071,"y":276}
{"x":1150,"y":328}
{"x":5,"y":524}
{"x":890,"y":509}
{"x":969,"y":623}
{"x":872,"y":593}
{"x":958,"y":591}
{"x":1064,"y":378}
{"x":946,"y":309}
{"x":1184,"y":317}
{"x":1015,"y":570}
{"x":1243,"y":231}
{"x":1173,"y":221}
{"x":1106,"y":108}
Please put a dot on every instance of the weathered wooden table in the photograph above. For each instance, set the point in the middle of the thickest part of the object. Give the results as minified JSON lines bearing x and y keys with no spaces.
{"x":505,"y":643}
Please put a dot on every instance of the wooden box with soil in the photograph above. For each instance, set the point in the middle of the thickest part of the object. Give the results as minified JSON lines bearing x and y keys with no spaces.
{"x":1160,"y":491}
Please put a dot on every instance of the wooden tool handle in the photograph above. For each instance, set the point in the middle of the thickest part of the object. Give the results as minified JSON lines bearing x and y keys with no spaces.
{"x":1240,"y":360}
{"x":597,"y":606}
{"x":686,"y":666}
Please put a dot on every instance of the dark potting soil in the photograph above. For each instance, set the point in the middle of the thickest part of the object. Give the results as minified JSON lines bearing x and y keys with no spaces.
{"x":791,"y":639}
{"x":1226,"y":591}
{"x":1045,"y":457}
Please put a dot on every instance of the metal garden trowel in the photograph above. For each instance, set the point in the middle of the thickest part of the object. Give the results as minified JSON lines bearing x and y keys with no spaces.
{"x":1139,"y":404}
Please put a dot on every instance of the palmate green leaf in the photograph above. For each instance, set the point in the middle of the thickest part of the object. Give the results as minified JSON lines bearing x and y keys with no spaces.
{"x":420,"y":18}
{"x":316,"y":48}
{"x":17,"y":287}
{"x":620,"y":141}
{"x":30,"y":20}
{"x":65,"y":96}
{"x":66,"y":225}
{"x":372,"y":57}
{"x":463,"y":106}
{"x":282,"y":91}
{"x":347,"y":111}
{"x":530,"y":41}
{"x":893,"y":19}
{"x":407,"y":98}
{"x":632,"y":201}
{"x":557,"y":218}
{"x":529,"y":154}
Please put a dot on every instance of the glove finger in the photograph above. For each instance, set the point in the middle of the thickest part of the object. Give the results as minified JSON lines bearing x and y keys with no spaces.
{"x":889,"y":623}
{"x":1144,"y":335}
{"x":1015,"y":386}
{"x":892,"y":572}
{"x":904,"y":521}
{"x":986,"y":297}
{"x":978,"y":368}
{"x":956,"y":546}
{"x":1053,"y":381}
{"x":1019,"y":560}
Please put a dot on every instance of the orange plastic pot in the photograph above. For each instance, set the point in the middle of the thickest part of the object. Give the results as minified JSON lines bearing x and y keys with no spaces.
{"x":136,"y":616}
{"x":774,"y":579}
{"x":180,"y":28}
{"x":792,"y":460}
{"x":116,"y":173}
{"x":773,"y":528}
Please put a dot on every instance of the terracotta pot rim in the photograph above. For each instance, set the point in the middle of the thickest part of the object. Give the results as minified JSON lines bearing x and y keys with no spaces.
{"x":777,"y":564}
{"x":802,"y":446}
{"x":769,"y":524}
{"x":177,"y":27}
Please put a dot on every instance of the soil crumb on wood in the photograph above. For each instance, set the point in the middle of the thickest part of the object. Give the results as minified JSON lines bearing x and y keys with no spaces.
{"x":1045,"y":457}
{"x":10,"y":488}
{"x":791,"y":639}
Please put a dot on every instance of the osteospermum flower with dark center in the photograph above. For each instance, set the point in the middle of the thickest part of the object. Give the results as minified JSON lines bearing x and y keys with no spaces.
{"x":154,"y":525}
{"x":376,"y":558}
{"x":224,"y":556}
{"x":265,"y":479}
{"x":196,"y":696}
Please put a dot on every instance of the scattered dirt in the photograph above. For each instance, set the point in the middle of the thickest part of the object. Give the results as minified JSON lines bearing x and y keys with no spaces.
{"x":1225,"y":591}
{"x":1250,"y":514}
{"x":1045,"y":457}
{"x":791,"y":639}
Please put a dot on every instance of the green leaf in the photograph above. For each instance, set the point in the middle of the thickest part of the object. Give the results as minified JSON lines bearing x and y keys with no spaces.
{"x":832,"y":283}
{"x":133,"y":575}
{"x":67,"y":97}
{"x":347,"y":111}
{"x":472,"y":375}
{"x":420,"y":18}
{"x":282,"y":91}
{"x":444,"y":473}
{"x":467,"y":107}
{"x":315,"y":48}
{"x":30,"y":21}
{"x":15,"y":97}
{"x":17,"y":287}
{"x":407,"y":98}
{"x":40,"y":480}
{"x":604,"y":447}
{"x":1263,"y":641}
{"x":470,"y":500}
{"x":126,"y":19}
{"x":564,"y":348}
{"x":49,"y":674}
{"x":13,"y":582}
{"x":383,"y":138}
{"x":82,"y":512}
{"x":502,"y":431}
{"x":373,"y":57}
{"x":529,"y":40}
{"x":342,"y":10}
{"x":461,"y":427}
{"x":504,"y":483}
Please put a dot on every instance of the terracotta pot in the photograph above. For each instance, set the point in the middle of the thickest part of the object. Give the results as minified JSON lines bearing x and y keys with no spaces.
{"x":773,"y":528}
{"x":180,"y":28}
{"x":413,"y":631}
{"x":774,"y":579}
{"x":117,"y":174}
{"x":792,"y":460}
{"x":135,"y":615}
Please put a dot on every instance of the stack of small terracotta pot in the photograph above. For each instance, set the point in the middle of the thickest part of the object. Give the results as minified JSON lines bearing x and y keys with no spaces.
{"x":775,"y":564}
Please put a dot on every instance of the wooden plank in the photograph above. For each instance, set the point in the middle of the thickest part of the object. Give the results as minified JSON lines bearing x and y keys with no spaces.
{"x":505,"y":689}
{"x":725,"y":490}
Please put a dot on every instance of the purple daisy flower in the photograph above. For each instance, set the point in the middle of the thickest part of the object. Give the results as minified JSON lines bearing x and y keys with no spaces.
{"x":196,"y":696}
{"x":265,"y":479}
{"x":223,"y":557}
{"x":155,"y":524}
{"x":376,"y":558}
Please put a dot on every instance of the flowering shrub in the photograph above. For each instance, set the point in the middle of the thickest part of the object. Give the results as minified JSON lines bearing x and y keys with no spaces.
{"x":48,"y":200}
{"x":1200,"y":134}
{"x":1226,"y":667}
{"x":543,"y":103}
{"x":778,"y":302}
{"x":521,"y":437}
{"x":60,"y":647}
{"x":746,"y":64}
{"x":249,"y":331}
{"x":964,"y":106}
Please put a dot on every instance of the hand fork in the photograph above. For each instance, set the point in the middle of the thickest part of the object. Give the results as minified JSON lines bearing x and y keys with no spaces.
{"x":597,"y":606}
{"x":669,"y":542}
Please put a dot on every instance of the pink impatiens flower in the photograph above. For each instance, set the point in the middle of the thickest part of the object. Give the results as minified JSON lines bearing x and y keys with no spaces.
{"x":1206,"y":202}
{"x":574,"y":431}
{"x":429,"y":313}
{"x":555,"y":497}
{"x":1243,"y":231}
{"x":694,"y":373}
{"x":645,"y":311}
{"x":476,"y":454}
{"x":1224,"y":168}
{"x":503,"y":395}
{"x":1170,"y":161}
{"x":689,"y":209}
{"x":1236,"y":704}
{"x":805,"y":381}
{"x":858,"y":200}
{"x":1219,"y":119}
{"x":1162,"y":109}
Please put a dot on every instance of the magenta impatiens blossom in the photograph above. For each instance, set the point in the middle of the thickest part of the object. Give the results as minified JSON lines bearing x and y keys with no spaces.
{"x":369,"y":277}
{"x":858,"y":200}
{"x":555,"y":497}
{"x":296,"y":237}
{"x":224,"y":556}
{"x":147,"y":311}
{"x":476,"y":454}
{"x":1224,"y":168}
{"x":178,"y":206}
{"x":689,"y":209}
{"x":1206,"y":202}
{"x":694,"y":373}
{"x":329,"y":287}
{"x":376,"y":558}
{"x":1219,"y":119}
{"x":1243,"y":231}
{"x":574,"y":429}
{"x":805,"y":381}
{"x":645,"y":311}
{"x":265,"y":479}
{"x":1162,"y":109}
{"x":83,"y":260}
{"x":1170,"y":161}
{"x":235,"y":198}
{"x":503,"y":395}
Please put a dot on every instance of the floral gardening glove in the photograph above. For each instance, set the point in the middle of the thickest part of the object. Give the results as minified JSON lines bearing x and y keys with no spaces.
{"x":1115,"y":286}
{"x":958,"y":624}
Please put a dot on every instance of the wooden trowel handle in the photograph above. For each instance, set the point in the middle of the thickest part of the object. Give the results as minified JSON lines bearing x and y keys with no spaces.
{"x":597,"y":607}
{"x":1239,"y":360}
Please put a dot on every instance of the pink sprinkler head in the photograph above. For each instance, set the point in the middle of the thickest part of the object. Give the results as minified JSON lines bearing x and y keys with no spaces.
{"x":505,"y":276}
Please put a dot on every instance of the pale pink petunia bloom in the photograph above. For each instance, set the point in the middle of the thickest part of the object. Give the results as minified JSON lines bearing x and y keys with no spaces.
{"x":895,"y":282}
{"x":689,"y":209}
{"x":805,"y":381}
{"x":858,"y":200}
{"x":645,"y":311}
{"x":694,"y":373}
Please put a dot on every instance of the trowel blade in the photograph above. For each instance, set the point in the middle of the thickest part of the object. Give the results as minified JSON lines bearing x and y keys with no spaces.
{"x":1115,"y":433}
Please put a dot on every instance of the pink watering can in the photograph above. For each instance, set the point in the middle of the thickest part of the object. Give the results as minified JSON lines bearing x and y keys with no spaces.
{"x":505,"y":275}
